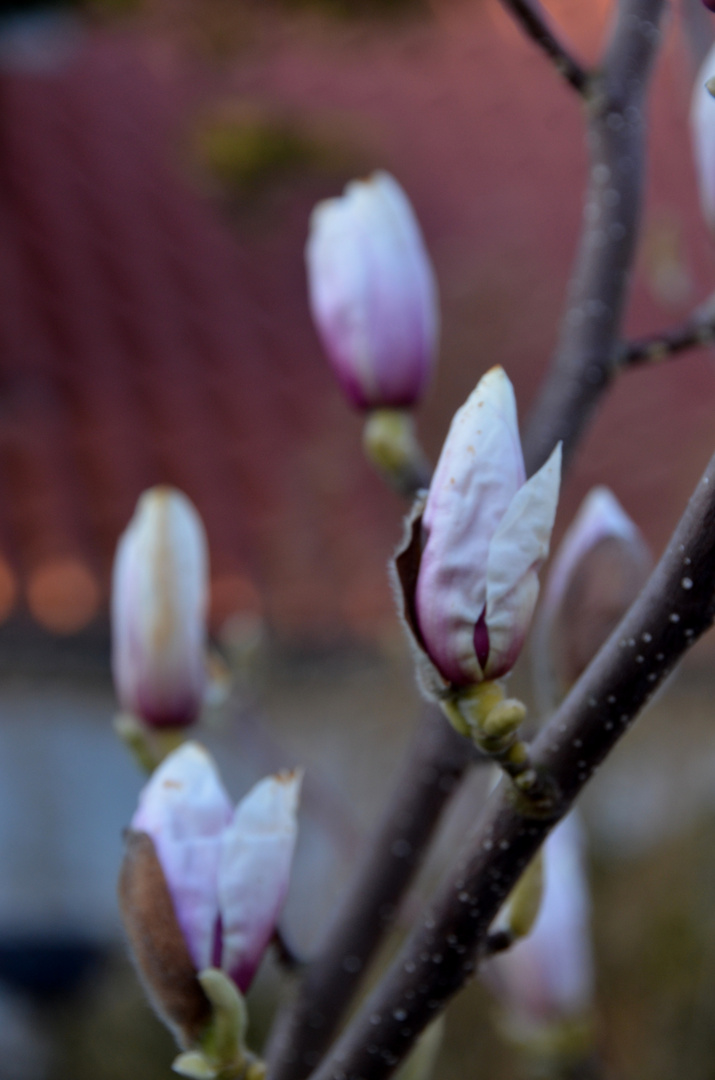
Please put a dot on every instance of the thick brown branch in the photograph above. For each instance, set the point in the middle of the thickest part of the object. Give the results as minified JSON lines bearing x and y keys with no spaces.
{"x":587,"y":350}
{"x":675,"y":608}
{"x":616,"y":130}
{"x":531,"y":16}
{"x":436,"y":760}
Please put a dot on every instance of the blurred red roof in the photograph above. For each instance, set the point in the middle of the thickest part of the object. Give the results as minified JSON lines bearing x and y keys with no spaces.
{"x":136,"y":348}
{"x":144,"y":340}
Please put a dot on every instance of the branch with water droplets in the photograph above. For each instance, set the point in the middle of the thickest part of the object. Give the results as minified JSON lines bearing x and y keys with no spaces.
{"x":537,"y":25}
{"x":674,"y":609}
{"x":434,"y":764}
{"x":585,"y":357}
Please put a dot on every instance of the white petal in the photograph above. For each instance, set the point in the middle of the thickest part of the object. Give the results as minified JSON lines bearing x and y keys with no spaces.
{"x":518,"y":548}
{"x":159,"y":599}
{"x":185,"y":809}
{"x":372,"y":292}
{"x":480,"y":470}
{"x":254,"y":872}
{"x":600,"y":516}
{"x":702,"y":121}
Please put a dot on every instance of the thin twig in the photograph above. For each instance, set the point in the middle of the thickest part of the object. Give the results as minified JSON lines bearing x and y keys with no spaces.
{"x":587,"y":349}
{"x":654,"y":347}
{"x":435,"y":762}
{"x":675,"y":608}
{"x":535,"y":22}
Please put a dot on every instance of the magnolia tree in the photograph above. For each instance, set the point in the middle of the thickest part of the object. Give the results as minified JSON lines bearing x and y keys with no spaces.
{"x":202,"y":884}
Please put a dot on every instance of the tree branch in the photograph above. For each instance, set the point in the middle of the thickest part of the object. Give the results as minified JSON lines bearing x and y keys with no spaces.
{"x":606,"y":253}
{"x":675,"y":608}
{"x":699,"y":329}
{"x":435,"y":762}
{"x":587,"y":350}
{"x":534,"y":20}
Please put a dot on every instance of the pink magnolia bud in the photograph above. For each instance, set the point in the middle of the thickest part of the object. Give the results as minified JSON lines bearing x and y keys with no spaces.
{"x":548,"y":976}
{"x":702,"y":124}
{"x":227,"y":871}
{"x":600,"y":567}
{"x":373,"y":294}
{"x":484,"y":533}
{"x":159,"y":599}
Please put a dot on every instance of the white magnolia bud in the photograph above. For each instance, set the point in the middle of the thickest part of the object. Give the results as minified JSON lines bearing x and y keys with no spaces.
{"x":159,"y":601}
{"x":485,"y":532}
{"x":373,"y":294}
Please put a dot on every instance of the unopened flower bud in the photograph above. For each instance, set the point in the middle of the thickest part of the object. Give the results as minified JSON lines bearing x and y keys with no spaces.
{"x":159,"y":600}
{"x":225,"y":871}
{"x":468,"y":568}
{"x":548,"y":976}
{"x":373,"y":294}
{"x":600,"y":567}
{"x":702,"y":124}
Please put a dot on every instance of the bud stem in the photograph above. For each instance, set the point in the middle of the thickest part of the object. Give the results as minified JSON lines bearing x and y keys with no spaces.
{"x":482,"y":713}
{"x":391,"y":445}
{"x":222,"y":1054}
{"x":147,"y":746}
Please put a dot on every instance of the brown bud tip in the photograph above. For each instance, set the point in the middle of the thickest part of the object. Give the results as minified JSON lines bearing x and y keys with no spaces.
{"x":157,"y":943}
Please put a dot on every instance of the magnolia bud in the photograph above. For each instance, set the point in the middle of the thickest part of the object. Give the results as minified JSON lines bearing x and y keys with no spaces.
{"x":372,"y":293}
{"x":548,"y":976}
{"x":702,"y":125}
{"x":600,"y":567}
{"x":159,"y":599}
{"x":226,"y":873}
{"x":468,"y":568}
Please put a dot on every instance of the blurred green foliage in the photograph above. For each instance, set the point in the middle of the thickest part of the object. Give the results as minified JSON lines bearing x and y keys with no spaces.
{"x":248,"y":151}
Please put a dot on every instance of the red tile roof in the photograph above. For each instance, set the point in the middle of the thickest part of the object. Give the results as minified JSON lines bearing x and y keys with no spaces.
{"x":136,"y":348}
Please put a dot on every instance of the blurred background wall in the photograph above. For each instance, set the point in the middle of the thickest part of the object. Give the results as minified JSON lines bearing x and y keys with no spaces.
{"x":158,"y":163}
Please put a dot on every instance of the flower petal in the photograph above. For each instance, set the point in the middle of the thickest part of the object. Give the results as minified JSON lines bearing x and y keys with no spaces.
{"x":600,"y":515}
{"x":702,"y":123}
{"x":254,"y":872}
{"x":518,"y":548}
{"x":159,"y":598}
{"x":549,"y":975}
{"x":185,"y":809}
{"x":480,"y":471}
{"x":372,"y":292}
